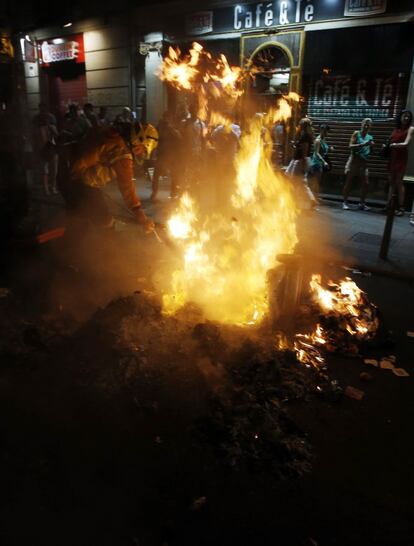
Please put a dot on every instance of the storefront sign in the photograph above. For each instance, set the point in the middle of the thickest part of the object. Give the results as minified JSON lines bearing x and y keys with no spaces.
{"x":62,"y":49}
{"x":52,"y":53}
{"x":268,"y":14}
{"x":282,"y":13}
{"x":362,"y":8}
{"x":199,"y":23}
{"x":352,"y":97}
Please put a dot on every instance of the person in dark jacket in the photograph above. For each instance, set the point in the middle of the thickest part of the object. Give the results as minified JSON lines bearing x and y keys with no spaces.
{"x":168,"y":152}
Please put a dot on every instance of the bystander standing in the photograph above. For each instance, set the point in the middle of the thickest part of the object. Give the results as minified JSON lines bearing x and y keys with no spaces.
{"x":398,"y":147}
{"x":168,"y":160}
{"x":361,"y":144}
{"x":103,"y":117}
{"x":89,"y":113}
{"x":44,"y":143}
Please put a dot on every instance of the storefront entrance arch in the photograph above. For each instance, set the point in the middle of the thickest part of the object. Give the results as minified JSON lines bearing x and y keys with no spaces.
{"x":270,"y":65}
{"x":279,"y":59}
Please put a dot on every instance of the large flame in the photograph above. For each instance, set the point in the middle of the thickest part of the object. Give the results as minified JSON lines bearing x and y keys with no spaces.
{"x":348,"y":300}
{"x":225,"y":255}
{"x":348,"y":317}
{"x":181,"y":73}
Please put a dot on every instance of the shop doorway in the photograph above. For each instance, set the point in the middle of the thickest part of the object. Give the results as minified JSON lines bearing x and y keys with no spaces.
{"x":271,"y":73}
{"x":63,"y":71}
{"x":271,"y":67}
{"x":66,"y":84}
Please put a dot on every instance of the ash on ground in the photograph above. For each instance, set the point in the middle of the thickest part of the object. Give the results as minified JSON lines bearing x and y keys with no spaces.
{"x":227,"y":389}
{"x":231,"y":382}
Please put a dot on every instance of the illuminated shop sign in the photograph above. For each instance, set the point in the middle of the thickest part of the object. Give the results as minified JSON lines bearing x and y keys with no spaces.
{"x":280,"y":13}
{"x":362,"y":8}
{"x":268,"y":14}
{"x":67,"y":48}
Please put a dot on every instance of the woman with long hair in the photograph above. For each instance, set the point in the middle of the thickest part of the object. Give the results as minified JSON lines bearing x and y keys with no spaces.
{"x":399,"y":141}
{"x":360,"y":146}
{"x":300,"y":165}
{"x":319,"y":159}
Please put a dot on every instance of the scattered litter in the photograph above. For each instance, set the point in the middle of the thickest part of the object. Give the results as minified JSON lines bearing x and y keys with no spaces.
{"x":4,"y":292}
{"x":364,"y":376}
{"x":50,"y":235}
{"x":199,"y":503}
{"x":400,"y":372}
{"x":363,"y":273}
{"x":410,"y":334}
{"x":357,"y":271}
{"x":336,"y":391}
{"x":158,"y":440}
{"x":352,"y":392}
{"x":371,"y":362}
{"x":386,"y":364}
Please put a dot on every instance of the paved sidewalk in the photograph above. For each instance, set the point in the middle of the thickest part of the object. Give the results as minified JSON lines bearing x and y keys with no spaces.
{"x":356,"y":237}
{"x":330,"y":233}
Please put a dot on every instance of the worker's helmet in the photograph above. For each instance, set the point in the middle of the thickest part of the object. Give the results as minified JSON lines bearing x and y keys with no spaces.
{"x":145,"y":135}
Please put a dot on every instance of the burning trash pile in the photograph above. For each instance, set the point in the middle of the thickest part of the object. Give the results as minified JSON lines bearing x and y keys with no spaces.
{"x":247,"y":423}
{"x":235,"y":384}
{"x":225,"y":257}
{"x":229,"y":385}
{"x":347,"y":318}
{"x":346,"y":322}
{"x":200,"y":353}
{"x":225,"y":254}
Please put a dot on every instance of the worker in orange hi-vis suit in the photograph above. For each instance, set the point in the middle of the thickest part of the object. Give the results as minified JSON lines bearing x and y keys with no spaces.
{"x":100,"y":157}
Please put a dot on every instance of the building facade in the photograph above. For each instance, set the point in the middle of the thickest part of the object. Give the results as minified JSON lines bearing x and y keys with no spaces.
{"x":347,"y":59}
{"x":87,"y":62}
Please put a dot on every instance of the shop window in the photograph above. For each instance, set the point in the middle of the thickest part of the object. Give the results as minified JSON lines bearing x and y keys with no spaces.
{"x":270,"y":70}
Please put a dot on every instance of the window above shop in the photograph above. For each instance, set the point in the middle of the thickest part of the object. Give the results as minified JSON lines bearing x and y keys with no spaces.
{"x":362,"y":49}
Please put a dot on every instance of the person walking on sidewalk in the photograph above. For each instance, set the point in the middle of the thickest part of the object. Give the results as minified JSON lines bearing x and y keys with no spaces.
{"x":361,"y":144}
{"x":319,"y":160}
{"x":399,"y":141}
{"x":300,"y":164}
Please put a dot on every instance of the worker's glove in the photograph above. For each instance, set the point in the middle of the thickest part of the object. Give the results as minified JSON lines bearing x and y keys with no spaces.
{"x":143,"y":220}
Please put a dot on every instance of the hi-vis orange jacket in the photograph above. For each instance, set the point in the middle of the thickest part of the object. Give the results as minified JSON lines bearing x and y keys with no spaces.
{"x":104,"y":155}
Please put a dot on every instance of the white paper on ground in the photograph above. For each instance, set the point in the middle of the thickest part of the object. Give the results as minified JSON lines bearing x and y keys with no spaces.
{"x":371,"y":362}
{"x":400,"y":372}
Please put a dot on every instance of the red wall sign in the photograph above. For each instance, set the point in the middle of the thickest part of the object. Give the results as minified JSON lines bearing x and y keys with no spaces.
{"x":65,"y":48}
